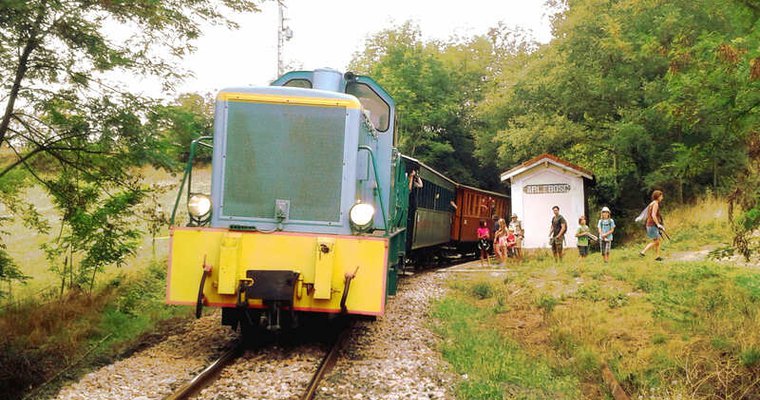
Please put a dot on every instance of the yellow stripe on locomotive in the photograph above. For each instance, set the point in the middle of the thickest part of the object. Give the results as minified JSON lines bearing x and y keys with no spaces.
{"x":312,"y":271}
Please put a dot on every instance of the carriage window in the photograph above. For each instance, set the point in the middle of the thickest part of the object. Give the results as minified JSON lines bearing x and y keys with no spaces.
{"x":380,"y":111}
{"x":302,"y":83}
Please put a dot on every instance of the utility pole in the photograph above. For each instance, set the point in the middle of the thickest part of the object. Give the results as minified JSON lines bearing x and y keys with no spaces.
{"x":284,"y":34}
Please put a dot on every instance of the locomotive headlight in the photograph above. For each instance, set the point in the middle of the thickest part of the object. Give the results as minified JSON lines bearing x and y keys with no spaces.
{"x":361,"y":215}
{"x":199,"y":205}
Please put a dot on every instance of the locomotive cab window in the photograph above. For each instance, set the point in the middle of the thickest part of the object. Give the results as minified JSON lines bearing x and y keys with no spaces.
{"x":299,"y":83}
{"x":380,"y":111}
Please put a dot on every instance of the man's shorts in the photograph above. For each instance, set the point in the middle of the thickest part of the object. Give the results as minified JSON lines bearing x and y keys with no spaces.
{"x":556,"y":246}
{"x":653,"y":232}
{"x":583,"y":251}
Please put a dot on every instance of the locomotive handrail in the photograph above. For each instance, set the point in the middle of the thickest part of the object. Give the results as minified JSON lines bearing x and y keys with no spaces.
{"x":188,"y":169}
{"x":377,"y":181}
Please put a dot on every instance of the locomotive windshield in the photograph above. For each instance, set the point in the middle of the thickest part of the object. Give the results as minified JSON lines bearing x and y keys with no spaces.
{"x":380,"y":111}
{"x":283,"y":152}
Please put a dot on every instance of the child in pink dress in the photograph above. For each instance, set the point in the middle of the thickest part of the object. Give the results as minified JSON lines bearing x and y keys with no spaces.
{"x":483,"y":235}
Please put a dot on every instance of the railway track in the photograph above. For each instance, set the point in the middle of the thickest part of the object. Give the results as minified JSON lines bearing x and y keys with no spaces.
{"x":210,"y":374}
{"x":393,"y":357}
{"x":335,"y":342}
{"x":327,"y":363}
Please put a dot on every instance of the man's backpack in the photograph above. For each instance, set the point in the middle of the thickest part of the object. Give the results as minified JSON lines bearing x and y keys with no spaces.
{"x":642,"y":218}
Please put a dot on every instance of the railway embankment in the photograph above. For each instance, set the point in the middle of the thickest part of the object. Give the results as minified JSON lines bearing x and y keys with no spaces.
{"x":394,"y":357}
{"x":154,"y":372}
{"x":686,"y":327}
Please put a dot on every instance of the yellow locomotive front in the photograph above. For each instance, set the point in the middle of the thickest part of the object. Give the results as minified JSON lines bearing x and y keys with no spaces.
{"x":298,"y":219}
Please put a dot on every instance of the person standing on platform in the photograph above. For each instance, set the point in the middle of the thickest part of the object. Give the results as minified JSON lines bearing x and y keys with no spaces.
{"x":516,"y":225}
{"x":583,"y":235}
{"x":500,"y":241}
{"x":605,"y":226}
{"x":510,"y":242}
{"x":483,"y":243}
{"x":557,"y":234}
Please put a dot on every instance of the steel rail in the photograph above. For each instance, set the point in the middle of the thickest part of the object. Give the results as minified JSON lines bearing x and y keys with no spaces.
{"x":208,"y":375}
{"x":327,"y":363}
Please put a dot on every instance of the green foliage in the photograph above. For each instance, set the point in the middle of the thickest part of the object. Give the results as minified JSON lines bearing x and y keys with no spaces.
{"x":750,"y":357}
{"x":493,"y":366}
{"x":83,"y":137}
{"x":546,"y":304}
{"x":40,"y":341}
{"x":683,"y":319}
{"x":482,"y":290}
{"x":586,"y":363}
{"x":722,"y":343}
{"x":9,"y":271}
{"x":96,"y":229}
{"x":591,"y":292}
{"x":617,"y":300}
{"x":659,"y":338}
{"x":746,"y":197}
{"x":189,"y":117}
{"x":750,"y":284}
{"x":645,"y":94}
{"x":436,"y":86}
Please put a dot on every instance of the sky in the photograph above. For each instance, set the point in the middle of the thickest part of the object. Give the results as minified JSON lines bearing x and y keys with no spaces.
{"x":327,"y":33}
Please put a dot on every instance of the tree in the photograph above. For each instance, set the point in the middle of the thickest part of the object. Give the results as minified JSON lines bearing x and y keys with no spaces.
{"x":647,"y":94}
{"x":190,"y":116}
{"x":436,"y":86}
{"x":73,"y":130}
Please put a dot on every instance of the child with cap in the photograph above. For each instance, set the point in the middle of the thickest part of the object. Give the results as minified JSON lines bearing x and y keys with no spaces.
{"x":605,"y":226}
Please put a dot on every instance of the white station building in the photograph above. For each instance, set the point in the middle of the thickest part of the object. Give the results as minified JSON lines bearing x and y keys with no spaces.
{"x":541,"y":183}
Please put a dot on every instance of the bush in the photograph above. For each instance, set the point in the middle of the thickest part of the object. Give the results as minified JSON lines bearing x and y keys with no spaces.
{"x":547,"y":303}
{"x":37,"y":337}
{"x":750,"y":358}
{"x":482,"y":290}
{"x":617,"y":300}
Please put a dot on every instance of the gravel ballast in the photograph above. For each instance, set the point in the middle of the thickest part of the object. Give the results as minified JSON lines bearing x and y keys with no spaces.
{"x":393,"y":357}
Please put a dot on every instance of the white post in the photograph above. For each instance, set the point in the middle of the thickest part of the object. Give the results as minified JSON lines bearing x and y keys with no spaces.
{"x":284,"y":34}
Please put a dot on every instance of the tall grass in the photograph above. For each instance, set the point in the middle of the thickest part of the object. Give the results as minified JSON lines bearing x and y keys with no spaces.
{"x":40,"y":340}
{"x":43,"y":333}
{"x":702,"y":224}
{"x":673,"y":329}
{"x":490,"y":364}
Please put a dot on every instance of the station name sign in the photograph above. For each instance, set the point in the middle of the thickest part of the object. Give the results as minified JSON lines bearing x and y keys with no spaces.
{"x":549,"y":188}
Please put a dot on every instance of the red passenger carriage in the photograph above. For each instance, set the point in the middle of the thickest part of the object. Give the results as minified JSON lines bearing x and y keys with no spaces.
{"x":473,"y":206}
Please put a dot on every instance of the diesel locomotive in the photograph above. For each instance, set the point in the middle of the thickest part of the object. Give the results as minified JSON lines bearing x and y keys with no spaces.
{"x":312,"y":208}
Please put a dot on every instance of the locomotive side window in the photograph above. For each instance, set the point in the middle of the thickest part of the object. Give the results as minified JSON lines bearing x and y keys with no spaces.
{"x":301,"y":83}
{"x":380,"y":111}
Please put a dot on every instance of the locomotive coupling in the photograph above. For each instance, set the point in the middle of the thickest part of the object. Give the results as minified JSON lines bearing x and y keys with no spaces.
{"x":201,"y":297}
{"x":346,"y":286}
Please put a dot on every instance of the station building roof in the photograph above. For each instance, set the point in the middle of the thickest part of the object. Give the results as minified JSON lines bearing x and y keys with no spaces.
{"x":546,"y":158}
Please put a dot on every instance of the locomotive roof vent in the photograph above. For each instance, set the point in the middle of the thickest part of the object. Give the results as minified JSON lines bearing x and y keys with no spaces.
{"x":327,"y":79}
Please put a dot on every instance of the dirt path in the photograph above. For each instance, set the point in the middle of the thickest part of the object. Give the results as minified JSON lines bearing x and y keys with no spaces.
{"x":703,"y":254}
